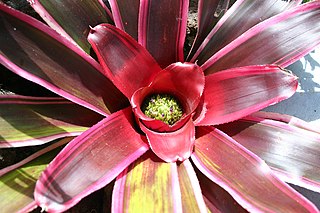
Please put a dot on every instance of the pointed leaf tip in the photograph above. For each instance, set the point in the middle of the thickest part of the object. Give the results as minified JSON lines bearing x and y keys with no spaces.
{"x":237,"y":92}
{"x":125,"y":62}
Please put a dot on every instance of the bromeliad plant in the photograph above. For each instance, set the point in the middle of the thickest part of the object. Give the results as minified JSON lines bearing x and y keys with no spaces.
{"x":167,"y":128}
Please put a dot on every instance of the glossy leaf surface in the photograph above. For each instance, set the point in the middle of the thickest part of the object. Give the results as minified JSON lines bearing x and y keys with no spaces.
{"x":72,"y":18}
{"x":29,"y":121}
{"x":36,"y":52}
{"x":209,"y":13}
{"x":162,"y":31}
{"x":17,"y":186}
{"x":280,"y":40}
{"x":174,"y":80}
{"x":292,"y":151}
{"x":288,"y":119}
{"x":172,"y":146}
{"x":125,"y":62}
{"x":90,"y":162}
{"x":244,"y":175}
{"x":147,"y":185}
{"x":126,"y":16}
{"x":216,"y":198}
{"x":235,"y":93}
{"x":243,"y":15}
{"x":191,"y":195}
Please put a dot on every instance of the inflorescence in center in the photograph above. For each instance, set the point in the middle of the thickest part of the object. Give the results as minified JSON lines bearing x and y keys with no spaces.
{"x":162,"y":107}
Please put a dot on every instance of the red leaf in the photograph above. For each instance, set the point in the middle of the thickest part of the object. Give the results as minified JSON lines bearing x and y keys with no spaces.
{"x":36,"y":52}
{"x":174,"y":80}
{"x":292,"y":151}
{"x":90,"y":162}
{"x":162,"y":31}
{"x":172,"y":146}
{"x":126,"y":16}
{"x":239,"y":18}
{"x":125,"y":62}
{"x":235,"y":93}
{"x":280,"y":40}
{"x":245,"y":176}
{"x":72,"y":18}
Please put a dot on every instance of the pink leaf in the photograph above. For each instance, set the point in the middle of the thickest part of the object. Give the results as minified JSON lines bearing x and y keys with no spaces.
{"x":292,"y":151}
{"x":288,"y":119}
{"x":162,"y":31}
{"x":125,"y":62}
{"x":235,"y":93}
{"x":191,"y":195}
{"x":126,"y":16}
{"x":281,"y":40}
{"x":209,"y":13}
{"x":72,"y":18}
{"x":90,"y":162}
{"x":245,"y":176}
{"x":216,"y":198}
{"x":239,"y":18}
{"x":36,"y":52}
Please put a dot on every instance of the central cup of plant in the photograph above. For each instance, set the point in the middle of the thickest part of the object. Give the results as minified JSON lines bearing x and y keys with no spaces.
{"x":163,"y":107}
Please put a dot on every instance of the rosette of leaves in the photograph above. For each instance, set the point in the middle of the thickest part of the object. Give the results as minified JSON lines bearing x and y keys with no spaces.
{"x":217,"y":137}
